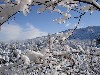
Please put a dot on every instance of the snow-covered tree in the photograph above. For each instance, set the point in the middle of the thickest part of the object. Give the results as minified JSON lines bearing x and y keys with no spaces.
{"x":79,"y":6}
{"x":59,"y":59}
{"x":56,"y":57}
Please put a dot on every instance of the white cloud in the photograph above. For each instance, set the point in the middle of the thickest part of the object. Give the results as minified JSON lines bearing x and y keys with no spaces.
{"x":16,"y":32}
{"x":68,"y":24}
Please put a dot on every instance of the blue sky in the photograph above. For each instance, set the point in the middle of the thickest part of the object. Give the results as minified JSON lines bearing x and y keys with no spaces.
{"x":35,"y":25}
{"x":44,"y":21}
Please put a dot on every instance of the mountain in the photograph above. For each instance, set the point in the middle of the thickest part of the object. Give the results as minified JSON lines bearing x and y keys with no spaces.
{"x":90,"y":32}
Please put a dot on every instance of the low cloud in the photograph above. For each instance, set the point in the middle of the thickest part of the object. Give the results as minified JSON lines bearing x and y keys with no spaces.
{"x":16,"y":32}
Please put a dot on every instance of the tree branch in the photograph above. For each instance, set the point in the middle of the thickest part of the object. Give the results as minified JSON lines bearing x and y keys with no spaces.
{"x":94,"y":3}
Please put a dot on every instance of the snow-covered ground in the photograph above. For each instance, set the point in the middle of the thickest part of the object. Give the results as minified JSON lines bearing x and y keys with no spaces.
{"x":49,"y":56}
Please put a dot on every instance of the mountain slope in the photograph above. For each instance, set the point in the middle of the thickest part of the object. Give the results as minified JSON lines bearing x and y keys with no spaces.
{"x":91,"y":32}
